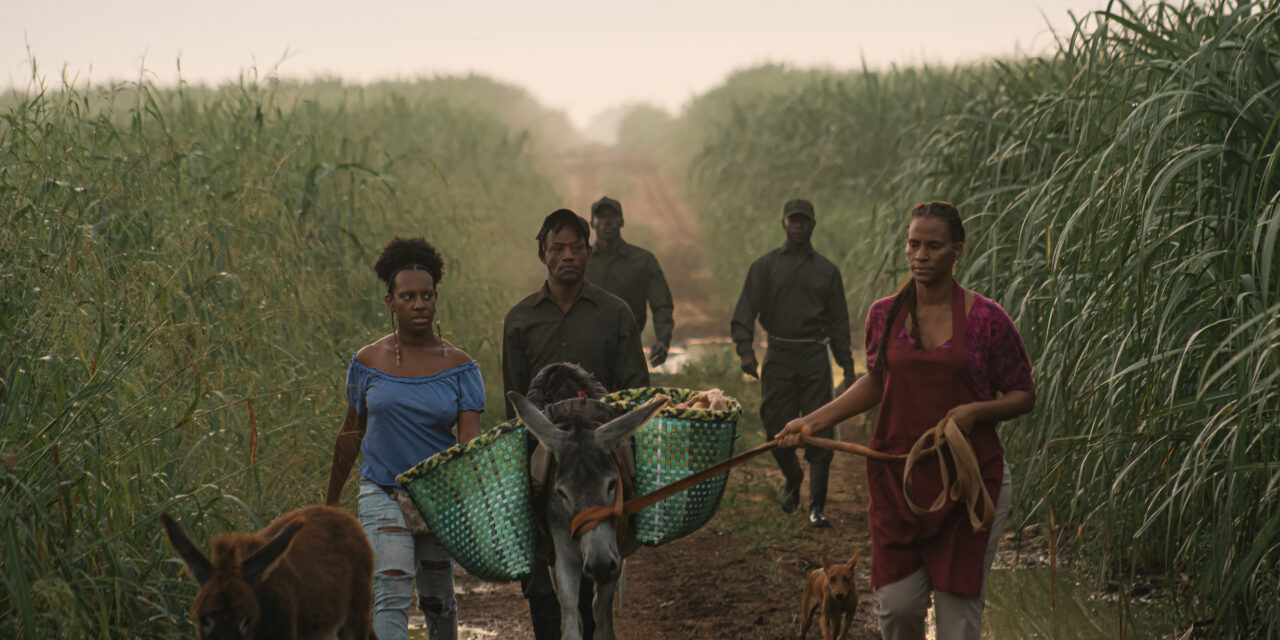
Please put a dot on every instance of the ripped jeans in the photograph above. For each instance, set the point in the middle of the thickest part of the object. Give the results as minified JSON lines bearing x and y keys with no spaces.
{"x":400,"y":558}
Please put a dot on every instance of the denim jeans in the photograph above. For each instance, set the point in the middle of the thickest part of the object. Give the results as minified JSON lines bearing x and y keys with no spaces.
{"x":400,"y":559}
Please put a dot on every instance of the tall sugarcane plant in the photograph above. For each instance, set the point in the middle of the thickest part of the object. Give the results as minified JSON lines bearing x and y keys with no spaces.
{"x":184,"y":275}
{"x":1123,"y":203}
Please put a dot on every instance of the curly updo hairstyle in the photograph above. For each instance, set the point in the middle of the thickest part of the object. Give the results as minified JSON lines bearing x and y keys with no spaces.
{"x":408,"y":253}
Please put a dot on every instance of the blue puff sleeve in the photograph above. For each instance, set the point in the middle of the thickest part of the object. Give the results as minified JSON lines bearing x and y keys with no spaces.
{"x":357,"y":381}
{"x":471,"y":389}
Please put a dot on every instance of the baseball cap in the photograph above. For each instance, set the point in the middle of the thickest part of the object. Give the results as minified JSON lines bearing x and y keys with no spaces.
{"x":796,"y":205}
{"x":605,"y":203}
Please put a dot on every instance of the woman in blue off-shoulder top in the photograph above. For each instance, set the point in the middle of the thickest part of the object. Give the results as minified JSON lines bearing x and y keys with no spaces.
{"x":405,"y":393}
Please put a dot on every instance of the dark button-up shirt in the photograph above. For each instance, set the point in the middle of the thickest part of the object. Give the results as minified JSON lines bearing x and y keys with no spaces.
{"x":634,"y":275}
{"x":598,"y":333}
{"x":796,"y":299}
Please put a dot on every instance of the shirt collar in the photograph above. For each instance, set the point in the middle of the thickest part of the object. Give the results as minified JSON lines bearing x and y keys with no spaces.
{"x":589,"y":292}
{"x":785,"y":250}
{"x":624,"y":250}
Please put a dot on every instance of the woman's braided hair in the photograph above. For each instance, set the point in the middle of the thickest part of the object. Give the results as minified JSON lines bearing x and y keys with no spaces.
{"x":906,"y":295}
{"x":408,"y":253}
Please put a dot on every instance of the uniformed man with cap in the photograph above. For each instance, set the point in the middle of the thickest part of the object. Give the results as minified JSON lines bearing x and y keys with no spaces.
{"x":631,"y":273}
{"x":567,"y":320}
{"x":798,"y":295}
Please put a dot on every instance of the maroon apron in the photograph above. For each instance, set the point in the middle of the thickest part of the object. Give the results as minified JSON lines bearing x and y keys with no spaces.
{"x":920,"y":387}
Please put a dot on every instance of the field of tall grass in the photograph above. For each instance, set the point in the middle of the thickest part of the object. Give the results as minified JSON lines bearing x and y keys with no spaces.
{"x":1123,"y":204}
{"x":184,"y":275}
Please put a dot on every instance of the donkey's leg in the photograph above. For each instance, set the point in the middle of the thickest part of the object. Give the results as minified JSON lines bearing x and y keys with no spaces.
{"x":568,"y":580}
{"x":602,"y":607}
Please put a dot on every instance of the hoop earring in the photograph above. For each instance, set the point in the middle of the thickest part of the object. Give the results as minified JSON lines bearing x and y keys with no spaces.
{"x":395,"y":337}
{"x":444,"y":349}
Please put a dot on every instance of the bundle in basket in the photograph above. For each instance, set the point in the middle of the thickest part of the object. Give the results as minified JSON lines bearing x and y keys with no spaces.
{"x":475,"y":498}
{"x":677,"y":443}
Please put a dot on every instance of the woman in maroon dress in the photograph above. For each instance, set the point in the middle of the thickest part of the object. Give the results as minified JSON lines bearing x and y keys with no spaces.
{"x":934,"y":351}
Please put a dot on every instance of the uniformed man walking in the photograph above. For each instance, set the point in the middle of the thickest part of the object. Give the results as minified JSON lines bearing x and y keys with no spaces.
{"x":631,"y":273}
{"x":799,"y":297}
{"x":567,"y":320}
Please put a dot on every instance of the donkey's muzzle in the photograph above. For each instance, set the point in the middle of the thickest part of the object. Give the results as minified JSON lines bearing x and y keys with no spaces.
{"x":603,"y":567}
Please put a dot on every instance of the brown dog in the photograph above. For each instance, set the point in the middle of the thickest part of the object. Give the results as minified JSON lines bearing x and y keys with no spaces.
{"x":832,"y":588}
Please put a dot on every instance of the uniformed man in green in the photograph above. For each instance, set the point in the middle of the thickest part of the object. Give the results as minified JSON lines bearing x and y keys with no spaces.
{"x":799,"y":297}
{"x":567,"y":320}
{"x":631,"y":273}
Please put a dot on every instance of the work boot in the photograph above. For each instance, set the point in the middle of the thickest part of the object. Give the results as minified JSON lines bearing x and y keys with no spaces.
{"x":790,"y":497}
{"x":816,"y":519}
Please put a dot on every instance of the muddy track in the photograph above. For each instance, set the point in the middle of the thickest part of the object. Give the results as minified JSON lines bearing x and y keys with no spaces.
{"x":721,"y":581}
{"x":653,"y":209}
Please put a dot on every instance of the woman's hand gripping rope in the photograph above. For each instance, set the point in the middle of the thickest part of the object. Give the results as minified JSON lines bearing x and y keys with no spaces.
{"x":968,"y":486}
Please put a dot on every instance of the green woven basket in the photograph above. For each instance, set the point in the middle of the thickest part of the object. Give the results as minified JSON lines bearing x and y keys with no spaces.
{"x":677,"y":443}
{"x":475,"y":498}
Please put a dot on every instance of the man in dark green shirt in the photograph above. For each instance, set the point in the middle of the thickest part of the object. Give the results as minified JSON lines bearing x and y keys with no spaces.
{"x":567,"y":320}
{"x":798,"y":296}
{"x":631,"y":273}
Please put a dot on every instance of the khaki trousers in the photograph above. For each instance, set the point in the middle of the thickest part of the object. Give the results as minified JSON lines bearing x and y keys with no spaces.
{"x":902,"y":605}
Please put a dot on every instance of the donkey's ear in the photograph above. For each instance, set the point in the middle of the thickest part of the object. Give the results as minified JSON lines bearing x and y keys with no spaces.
{"x":535,"y":422}
{"x":260,"y":564}
{"x":196,"y":563}
{"x":621,"y":427}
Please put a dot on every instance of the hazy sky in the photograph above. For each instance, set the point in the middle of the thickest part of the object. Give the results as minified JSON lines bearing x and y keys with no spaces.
{"x":575,"y":55}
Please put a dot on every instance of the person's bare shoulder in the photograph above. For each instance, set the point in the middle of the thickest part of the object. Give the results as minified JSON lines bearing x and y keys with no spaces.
{"x":370,"y":354}
{"x":457,"y":357}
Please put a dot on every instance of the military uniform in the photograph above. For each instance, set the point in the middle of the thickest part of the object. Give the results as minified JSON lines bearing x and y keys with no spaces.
{"x":801,"y":305}
{"x":634,"y":275}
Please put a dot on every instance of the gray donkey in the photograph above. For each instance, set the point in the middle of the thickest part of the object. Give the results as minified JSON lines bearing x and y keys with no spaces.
{"x":585,"y":476}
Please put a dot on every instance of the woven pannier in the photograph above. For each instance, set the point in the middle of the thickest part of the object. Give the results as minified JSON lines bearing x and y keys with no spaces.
{"x":475,"y":499}
{"x":677,"y":443}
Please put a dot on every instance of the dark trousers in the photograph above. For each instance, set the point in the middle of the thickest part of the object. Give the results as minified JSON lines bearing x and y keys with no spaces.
{"x":796,"y":380}
{"x":544,"y":607}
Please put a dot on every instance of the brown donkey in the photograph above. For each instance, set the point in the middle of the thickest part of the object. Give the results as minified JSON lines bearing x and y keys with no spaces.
{"x":306,"y":576}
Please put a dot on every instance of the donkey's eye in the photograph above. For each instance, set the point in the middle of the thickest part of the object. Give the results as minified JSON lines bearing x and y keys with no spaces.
{"x":244,"y":625}
{"x":564,"y":495}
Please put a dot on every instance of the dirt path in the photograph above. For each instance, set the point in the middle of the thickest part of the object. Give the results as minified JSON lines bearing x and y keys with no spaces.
{"x":715,"y":583}
{"x":657,"y":219}
{"x":712,"y":583}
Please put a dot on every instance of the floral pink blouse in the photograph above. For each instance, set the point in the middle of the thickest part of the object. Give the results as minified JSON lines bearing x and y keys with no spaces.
{"x":997,"y":359}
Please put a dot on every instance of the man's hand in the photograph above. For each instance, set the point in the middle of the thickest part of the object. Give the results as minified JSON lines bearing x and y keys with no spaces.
{"x":850,"y":377}
{"x":750,"y":366}
{"x":657,"y":354}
